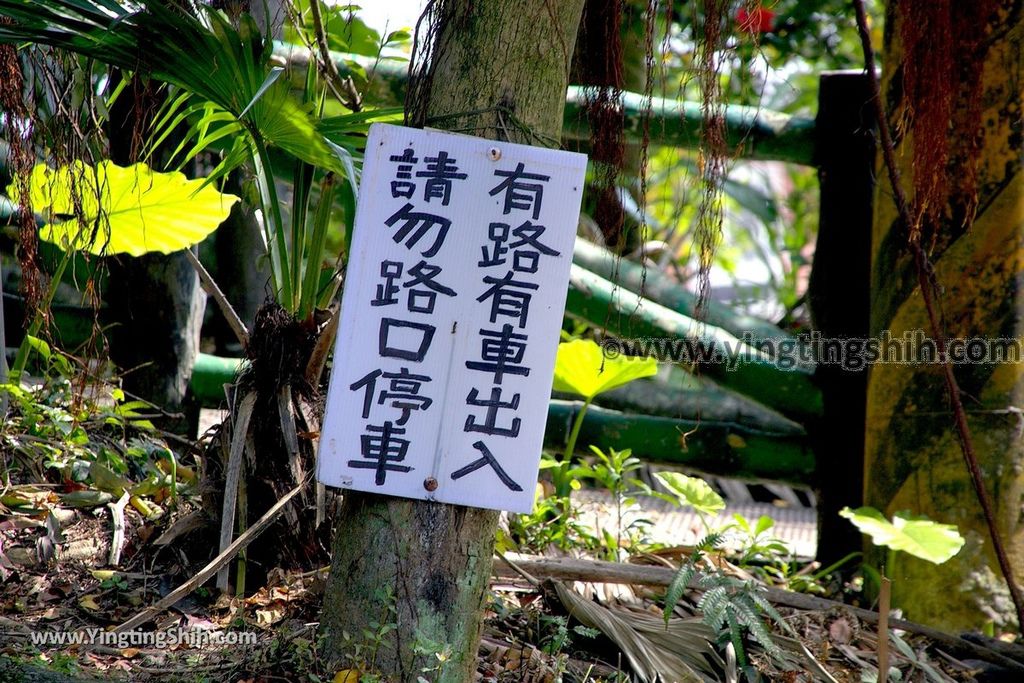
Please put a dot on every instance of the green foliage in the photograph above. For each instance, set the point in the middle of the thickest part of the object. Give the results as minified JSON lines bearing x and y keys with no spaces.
{"x":96,"y":442}
{"x":687,"y":571}
{"x":116,"y":582}
{"x":769,"y":209}
{"x":756,"y":542}
{"x":582,"y":369}
{"x":228,"y":95}
{"x":345,"y":32}
{"x":611,"y":471}
{"x":107,"y":209}
{"x":554,"y":521}
{"x":735,"y":609}
{"x":204,"y":54}
{"x":557,"y":636}
{"x":360,"y":650}
{"x":914,"y":535}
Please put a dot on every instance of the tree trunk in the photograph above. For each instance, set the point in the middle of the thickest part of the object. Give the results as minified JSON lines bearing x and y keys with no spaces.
{"x":242,"y":269}
{"x":912,"y":456}
{"x":499,"y":69}
{"x":159,"y":310}
{"x":155,"y":301}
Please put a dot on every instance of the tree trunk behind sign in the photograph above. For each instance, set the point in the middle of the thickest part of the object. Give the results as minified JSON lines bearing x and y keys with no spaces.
{"x":419,"y":570}
{"x":156,"y":302}
{"x":913,"y":460}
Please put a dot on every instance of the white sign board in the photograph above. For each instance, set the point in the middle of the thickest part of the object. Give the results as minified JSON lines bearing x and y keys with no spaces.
{"x":450,"y":318}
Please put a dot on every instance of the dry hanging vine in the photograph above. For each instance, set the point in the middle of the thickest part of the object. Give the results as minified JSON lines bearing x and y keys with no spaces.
{"x":22,"y":158}
{"x":712,"y":157}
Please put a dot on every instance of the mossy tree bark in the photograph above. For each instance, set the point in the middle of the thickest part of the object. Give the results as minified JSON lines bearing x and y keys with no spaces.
{"x":499,"y":69}
{"x":913,"y":460}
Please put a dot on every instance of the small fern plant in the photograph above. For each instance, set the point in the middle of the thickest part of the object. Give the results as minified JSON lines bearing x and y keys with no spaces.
{"x":732,"y":607}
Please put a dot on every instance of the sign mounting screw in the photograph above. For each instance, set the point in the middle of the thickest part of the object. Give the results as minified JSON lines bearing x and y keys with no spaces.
{"x":430,"y":484}
{"x":494,"y":153}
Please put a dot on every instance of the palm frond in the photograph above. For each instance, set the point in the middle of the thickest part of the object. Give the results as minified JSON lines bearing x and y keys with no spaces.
{"x":202,"y":54}
{"x":679,"y":652}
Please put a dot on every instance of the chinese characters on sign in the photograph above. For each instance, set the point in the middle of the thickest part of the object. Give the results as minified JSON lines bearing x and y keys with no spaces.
{"x":450,"y":318}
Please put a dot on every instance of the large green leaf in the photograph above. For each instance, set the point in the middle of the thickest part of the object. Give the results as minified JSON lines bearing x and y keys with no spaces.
{"x":917,"y":536}
{"x":132,"y":210}
{"x":582,"y":368}
{"x":692,"y":491}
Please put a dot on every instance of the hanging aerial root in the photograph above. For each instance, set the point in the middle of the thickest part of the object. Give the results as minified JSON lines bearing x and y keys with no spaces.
{"x":19,"y":119}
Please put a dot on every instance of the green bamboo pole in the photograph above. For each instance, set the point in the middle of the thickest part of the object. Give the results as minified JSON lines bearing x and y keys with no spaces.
{"x":627,"y":316}
{"x":711,"y":447}
{"x":720,"y":445}
{"x":598,"y":302}
{"x":751,"y":132}
{"x":675,"y":393}
{"x":659,"y":288}
{"x":210,"y":374}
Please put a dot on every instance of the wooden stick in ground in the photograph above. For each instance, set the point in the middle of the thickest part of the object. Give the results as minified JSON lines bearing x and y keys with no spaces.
{"x":216,"y":563}
{"x":117,"y":518}
{"x":231,"y":478}
{"x":598,"y":571}
{"x":883,"y":630}
{"x":312,"y":425}
{"x":288,"y":433}
{"x":243,"y":519}
{"x":211,"y":288}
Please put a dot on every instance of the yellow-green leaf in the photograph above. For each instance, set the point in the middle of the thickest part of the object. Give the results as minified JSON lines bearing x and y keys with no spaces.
{"x":917,"y":536}
{"x":132,"y":210}
{"x":89,"y":603}
{"x":582,"y":368}
{"x":692,"y":491}
{"x":105,"y":479}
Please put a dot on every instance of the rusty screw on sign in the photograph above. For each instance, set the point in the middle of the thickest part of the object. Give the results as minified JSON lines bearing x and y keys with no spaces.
{"x":494,"y":153}
{"x":430,"y":484}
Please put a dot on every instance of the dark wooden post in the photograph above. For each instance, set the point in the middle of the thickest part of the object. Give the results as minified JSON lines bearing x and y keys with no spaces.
{"x":839,"y":295}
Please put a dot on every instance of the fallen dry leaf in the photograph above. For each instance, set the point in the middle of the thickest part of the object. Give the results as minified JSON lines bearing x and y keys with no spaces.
{"x":89,"y":603}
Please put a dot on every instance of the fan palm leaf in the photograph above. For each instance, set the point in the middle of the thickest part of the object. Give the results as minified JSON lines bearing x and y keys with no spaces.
{"x":226,"y":92}
{"x":203,"y":54}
